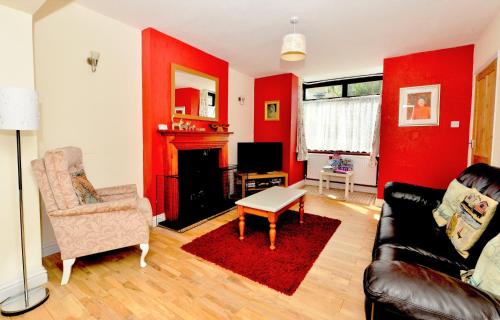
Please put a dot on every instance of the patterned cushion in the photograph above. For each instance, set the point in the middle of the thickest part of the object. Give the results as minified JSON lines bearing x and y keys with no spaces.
{"x":455,"y":193}
{"x":486,"y":275}
{"x":470,"y":220}
{"x":84,"y":189}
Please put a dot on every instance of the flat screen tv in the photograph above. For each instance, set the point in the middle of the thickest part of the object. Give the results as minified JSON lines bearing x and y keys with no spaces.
{"x":260,"y":157}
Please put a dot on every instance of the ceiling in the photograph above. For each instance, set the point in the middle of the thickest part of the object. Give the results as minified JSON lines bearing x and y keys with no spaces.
{"x":344,"y":37}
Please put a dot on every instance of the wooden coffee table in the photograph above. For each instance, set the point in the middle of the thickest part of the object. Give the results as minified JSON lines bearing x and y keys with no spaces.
{"x":269,"y":204}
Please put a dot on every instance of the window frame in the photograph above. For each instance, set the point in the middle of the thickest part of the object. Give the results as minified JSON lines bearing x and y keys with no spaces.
{"x":344,"y":82}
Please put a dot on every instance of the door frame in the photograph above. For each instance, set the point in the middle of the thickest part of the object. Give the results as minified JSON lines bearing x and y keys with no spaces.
{"x":496,"y":104}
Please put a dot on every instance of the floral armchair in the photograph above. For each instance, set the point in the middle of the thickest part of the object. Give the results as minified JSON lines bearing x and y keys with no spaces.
{"x":121,"y":220}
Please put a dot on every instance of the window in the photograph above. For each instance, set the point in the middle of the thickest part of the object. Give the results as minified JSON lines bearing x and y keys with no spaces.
{"x":324,"y":92}
{"x":340,"y":115}
{"x":342,"y":88}
{"x":364,"y":88}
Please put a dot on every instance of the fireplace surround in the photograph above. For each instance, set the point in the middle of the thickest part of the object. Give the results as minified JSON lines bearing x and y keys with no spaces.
{"x":197,"y":183}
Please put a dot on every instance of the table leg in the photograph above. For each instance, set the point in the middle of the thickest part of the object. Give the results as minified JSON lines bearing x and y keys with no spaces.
{"x":346,"y":187}
{"x":301,"y":209}
{"x":327,"y":182}
{"x":241,"y":214}
{"x":320,"y":183}
{"x":272,"y":230}
{"x":352,"y":182}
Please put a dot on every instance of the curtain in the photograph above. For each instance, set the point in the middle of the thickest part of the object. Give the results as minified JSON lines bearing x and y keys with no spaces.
{"x":376,"y":137}
{"x":344,"y":124}
{"x":301,"y":135}
{"x":203,"y":112}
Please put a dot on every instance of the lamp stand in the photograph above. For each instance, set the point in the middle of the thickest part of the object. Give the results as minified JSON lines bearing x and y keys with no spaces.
{"x":30,"y":298}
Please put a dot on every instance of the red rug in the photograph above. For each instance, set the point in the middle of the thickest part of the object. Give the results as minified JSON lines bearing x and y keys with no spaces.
{"x":297,"y":247}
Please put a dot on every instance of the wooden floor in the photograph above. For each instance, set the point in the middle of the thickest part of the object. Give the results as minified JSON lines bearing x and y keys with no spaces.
{"x":177,"y":285}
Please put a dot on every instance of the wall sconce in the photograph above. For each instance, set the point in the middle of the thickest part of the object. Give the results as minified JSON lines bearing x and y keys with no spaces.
{"x":241,"y":100}
{"x":93,"y":60}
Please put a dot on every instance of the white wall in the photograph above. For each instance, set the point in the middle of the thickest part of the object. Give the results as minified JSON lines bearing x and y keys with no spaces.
{"x":486,"y":50}
{"x":99,"y":112}
{"x":240,"y":116}
{"x":16,"y":69}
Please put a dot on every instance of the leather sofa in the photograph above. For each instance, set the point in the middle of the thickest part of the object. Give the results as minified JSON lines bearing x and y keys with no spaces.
{"x":415,"y":270}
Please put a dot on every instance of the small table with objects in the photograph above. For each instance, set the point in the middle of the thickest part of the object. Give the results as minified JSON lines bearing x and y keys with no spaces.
{"x":269,"y":204}
{"x":327,"y":175}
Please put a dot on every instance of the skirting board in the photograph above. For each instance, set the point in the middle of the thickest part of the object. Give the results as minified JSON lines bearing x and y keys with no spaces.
{"x":50,"y":248}
{"x":157,"y":219}
{"x":337,"y":185}
{"x":37,"y":278}
{"x":298,"y":185}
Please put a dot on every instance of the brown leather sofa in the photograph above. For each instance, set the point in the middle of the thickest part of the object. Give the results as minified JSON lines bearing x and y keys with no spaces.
{"x":415,"y":272}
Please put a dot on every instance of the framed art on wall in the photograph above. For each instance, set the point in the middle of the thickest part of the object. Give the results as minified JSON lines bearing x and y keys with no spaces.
{"x":272,"y":110}
{"x":419,"y":106}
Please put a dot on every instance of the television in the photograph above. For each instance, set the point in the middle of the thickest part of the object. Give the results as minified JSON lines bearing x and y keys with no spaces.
{"x":260,"y":157}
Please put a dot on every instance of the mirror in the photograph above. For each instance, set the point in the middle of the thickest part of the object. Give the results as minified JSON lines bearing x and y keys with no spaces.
{"x":194,"y":94}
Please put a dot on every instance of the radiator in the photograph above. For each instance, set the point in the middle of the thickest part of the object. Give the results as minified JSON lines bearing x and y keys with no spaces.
{"x":363,"y":173}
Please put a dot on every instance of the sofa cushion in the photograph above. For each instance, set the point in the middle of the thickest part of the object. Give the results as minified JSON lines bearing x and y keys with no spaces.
{"x":455,"y":193}
{"x":416,"y":255}
{"x":470,"y":220}
{"x":416,"y":292}
{"x":421,"y":240}
{"x":486,"y":275}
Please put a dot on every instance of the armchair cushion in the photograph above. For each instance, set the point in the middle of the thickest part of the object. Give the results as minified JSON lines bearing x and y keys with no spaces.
{"x":84,"y":189}
{"x":57,"y":168}
{"x":118,"y":192}
{"x":109,"y":206}
{"x":43,"y":183}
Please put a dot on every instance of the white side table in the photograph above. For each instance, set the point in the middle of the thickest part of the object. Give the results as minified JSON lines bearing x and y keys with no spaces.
{"x":348,"y":177}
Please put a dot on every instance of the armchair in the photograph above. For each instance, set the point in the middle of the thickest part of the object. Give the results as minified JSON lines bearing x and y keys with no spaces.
{"x":122,"y":220}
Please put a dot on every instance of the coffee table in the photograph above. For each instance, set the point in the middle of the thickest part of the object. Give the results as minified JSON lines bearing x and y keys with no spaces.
{"x":269,"y":204}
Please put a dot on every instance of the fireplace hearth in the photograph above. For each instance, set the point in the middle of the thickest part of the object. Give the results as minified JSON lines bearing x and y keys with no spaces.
{"x":201,"y":190}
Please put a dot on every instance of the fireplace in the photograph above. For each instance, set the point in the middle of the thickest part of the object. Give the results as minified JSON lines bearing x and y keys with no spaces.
{"x":198,"y":184}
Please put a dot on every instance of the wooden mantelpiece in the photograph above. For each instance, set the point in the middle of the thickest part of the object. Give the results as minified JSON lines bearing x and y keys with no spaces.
{"x":189,"y":140}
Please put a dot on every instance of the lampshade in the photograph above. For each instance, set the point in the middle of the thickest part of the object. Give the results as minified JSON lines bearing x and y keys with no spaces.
{"x":294,"y":47}
{"x":18,"y":109}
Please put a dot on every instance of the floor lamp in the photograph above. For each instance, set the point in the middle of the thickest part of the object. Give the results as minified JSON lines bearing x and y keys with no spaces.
{"x":19,"y":111}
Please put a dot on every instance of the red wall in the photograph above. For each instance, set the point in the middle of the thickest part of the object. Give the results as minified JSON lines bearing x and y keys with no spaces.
{"x":434,"y":155}
{"x":159,"y":51}
{"x":189,"y":98}
{"x":283,"y":87}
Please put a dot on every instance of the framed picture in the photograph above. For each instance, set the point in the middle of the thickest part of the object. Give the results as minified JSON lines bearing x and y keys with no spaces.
{"x":180,"y":110}
{"x":272,"y":110}
{"x":419,"y":106}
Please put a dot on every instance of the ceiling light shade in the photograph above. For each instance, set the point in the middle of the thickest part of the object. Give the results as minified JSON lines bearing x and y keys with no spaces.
{"x":294,"y":44}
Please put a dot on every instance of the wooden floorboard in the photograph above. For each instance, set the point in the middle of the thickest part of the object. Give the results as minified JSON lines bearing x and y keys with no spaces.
{"x":178,"y":285}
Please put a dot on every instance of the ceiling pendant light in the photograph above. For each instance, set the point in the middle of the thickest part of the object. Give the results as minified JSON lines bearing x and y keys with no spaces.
{"x":294,"y":44}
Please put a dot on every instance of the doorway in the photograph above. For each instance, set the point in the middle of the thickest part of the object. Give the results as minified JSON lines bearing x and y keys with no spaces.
{"x":484,"y":103}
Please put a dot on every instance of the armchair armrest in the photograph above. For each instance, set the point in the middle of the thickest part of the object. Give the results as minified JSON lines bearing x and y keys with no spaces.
{"x":404,"y":194}
{"x":109,"y":206}
{"x":417,"y":292}
{"x":110,"y":191}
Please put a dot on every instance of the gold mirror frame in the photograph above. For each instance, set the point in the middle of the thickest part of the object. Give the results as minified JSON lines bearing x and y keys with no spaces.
{"x":176,"y":67}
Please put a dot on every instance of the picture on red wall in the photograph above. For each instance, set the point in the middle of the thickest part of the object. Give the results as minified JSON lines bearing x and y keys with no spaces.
{"x":419,"y":106}
{"x":272,"y":110}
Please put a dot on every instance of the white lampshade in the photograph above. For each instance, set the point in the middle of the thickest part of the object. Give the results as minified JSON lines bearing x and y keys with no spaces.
{"x":18,"y":109}
{"x":294,"y":47}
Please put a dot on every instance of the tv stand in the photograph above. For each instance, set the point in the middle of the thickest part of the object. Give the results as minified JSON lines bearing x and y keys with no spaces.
{"x":253,"y":182}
